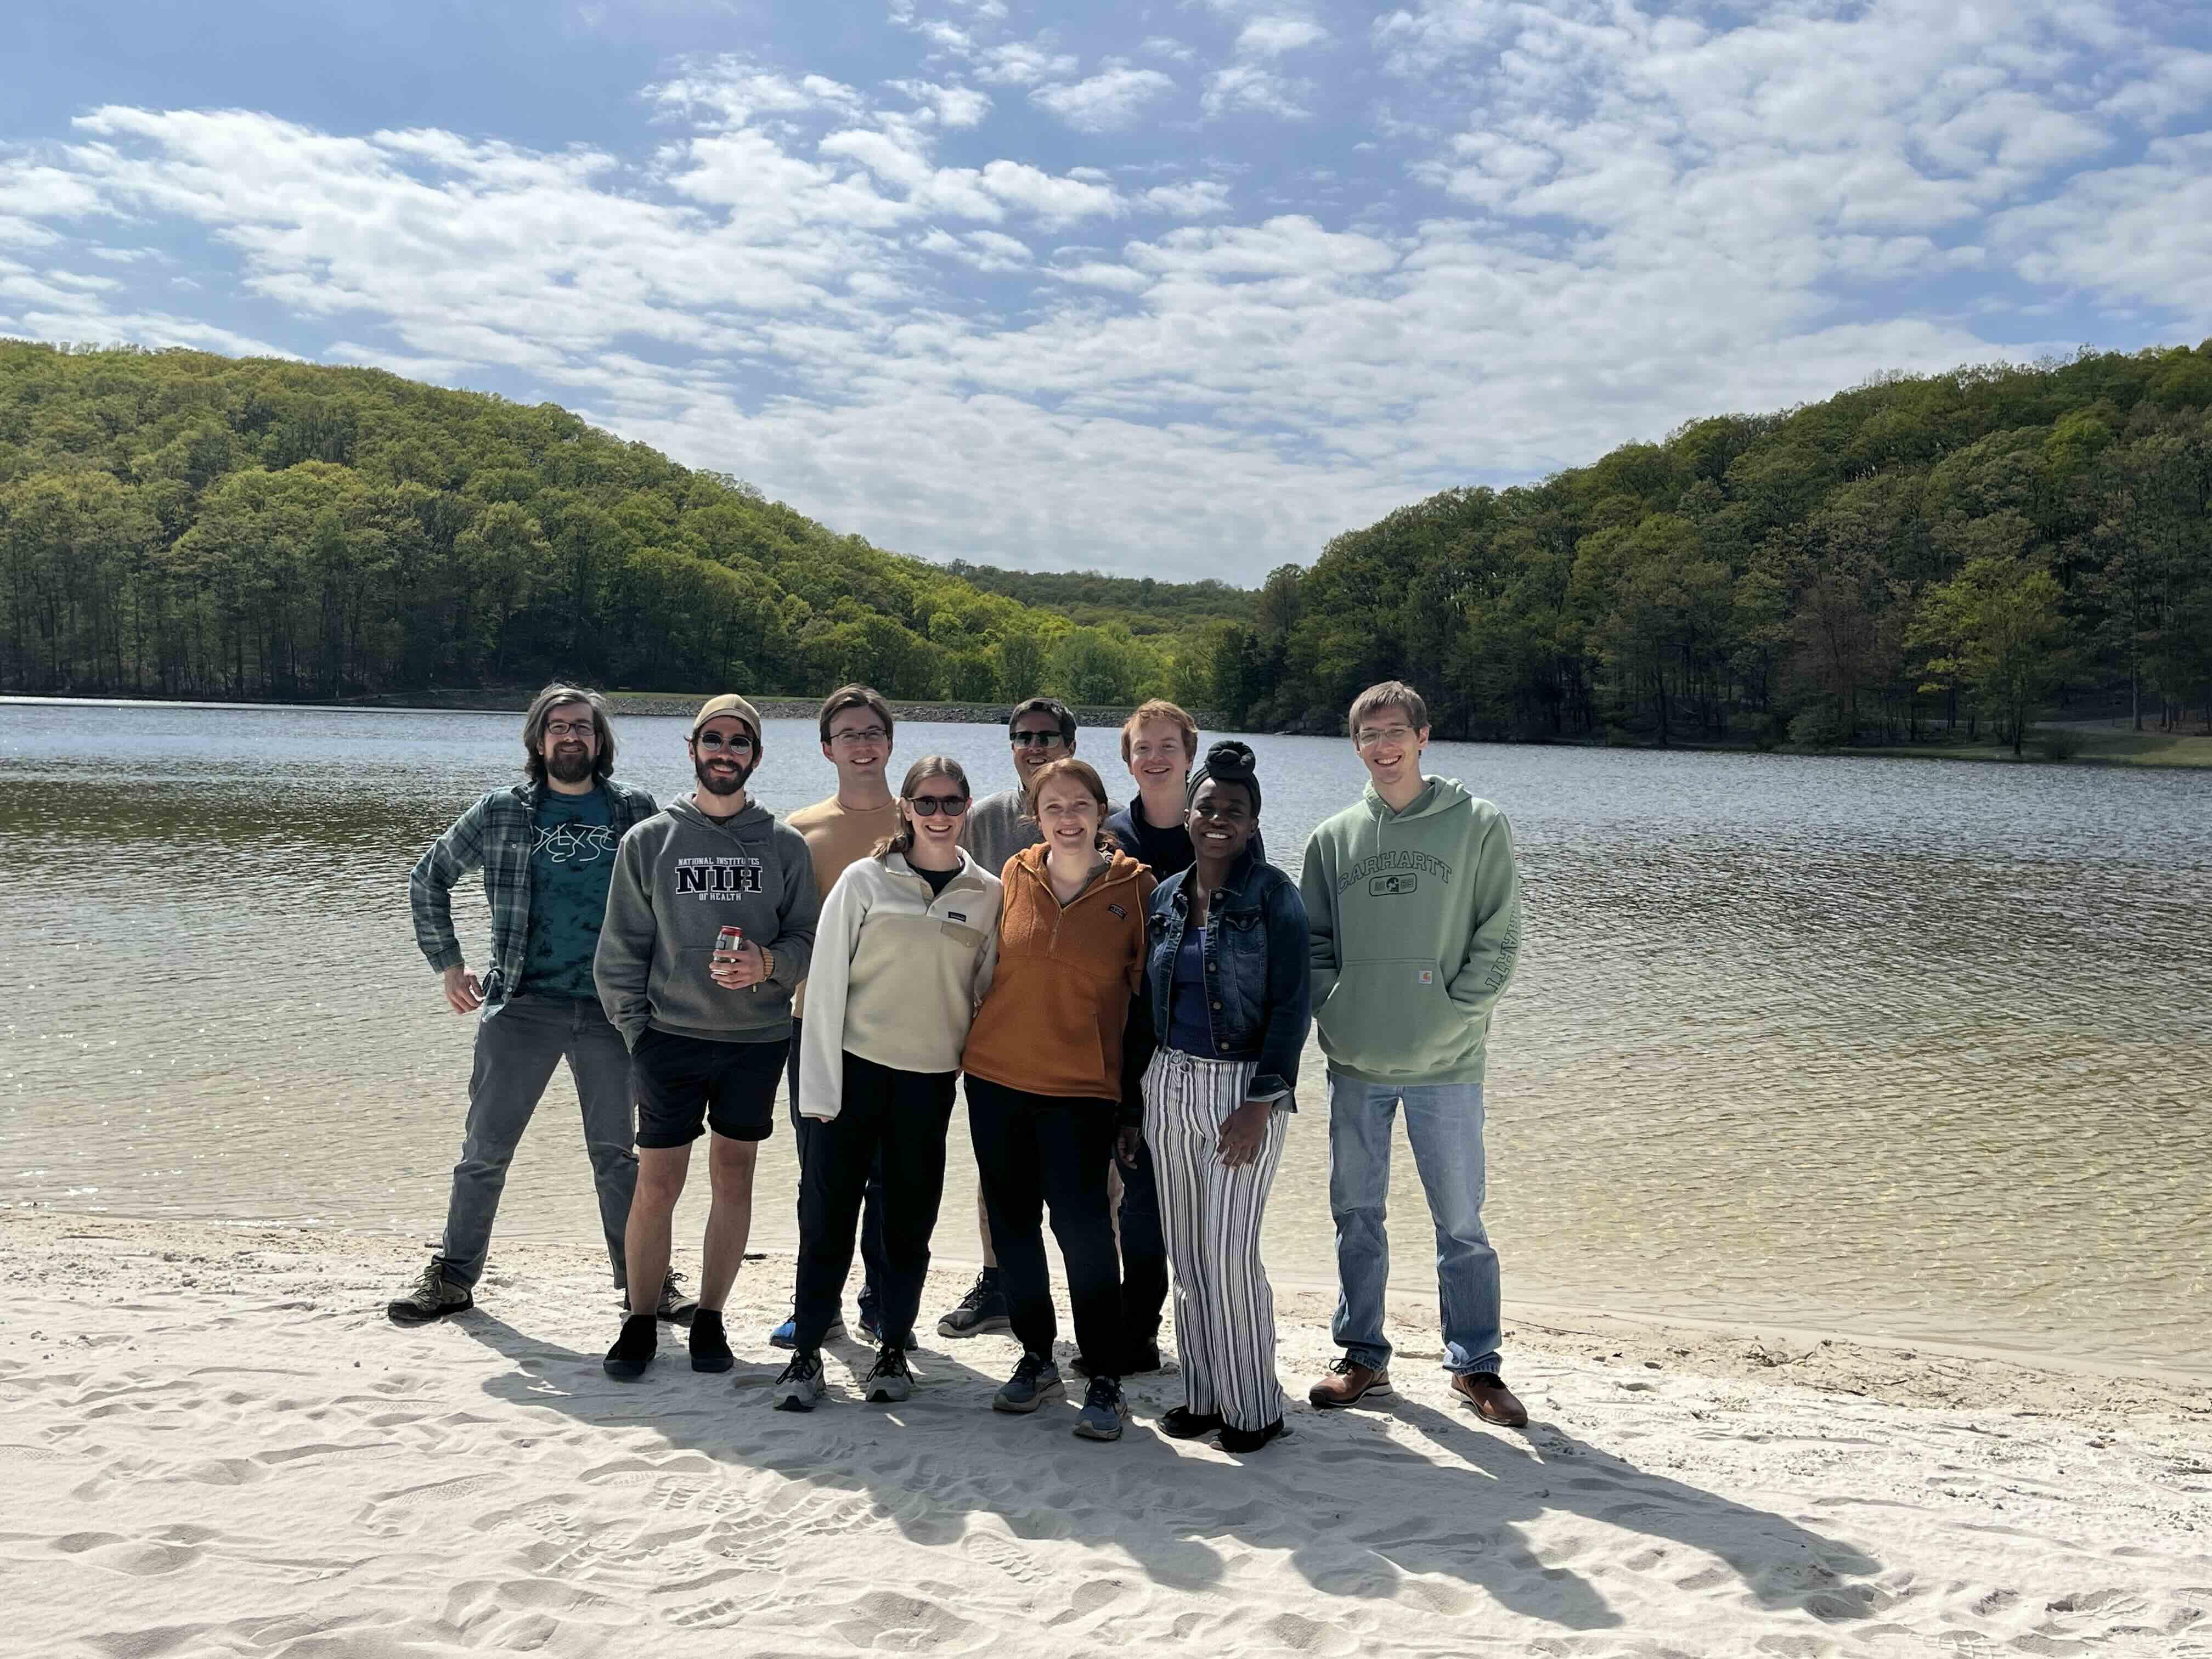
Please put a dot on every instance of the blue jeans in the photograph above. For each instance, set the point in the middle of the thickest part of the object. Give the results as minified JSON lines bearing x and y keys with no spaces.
{"x":1444,"y":1123}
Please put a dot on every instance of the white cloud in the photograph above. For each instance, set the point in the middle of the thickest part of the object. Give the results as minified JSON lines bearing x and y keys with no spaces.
{"x":1198,"y":199}
{"x":1273,"y":36}
{"x":1024,"y":63}
{"x":1107,"y":101}
{"x":1245,"y":89}
{"x":953,"y":106}
{"x":1167,"y":46}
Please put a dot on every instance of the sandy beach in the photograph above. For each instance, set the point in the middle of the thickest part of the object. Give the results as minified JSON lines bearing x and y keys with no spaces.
{"x":214,"y":1444}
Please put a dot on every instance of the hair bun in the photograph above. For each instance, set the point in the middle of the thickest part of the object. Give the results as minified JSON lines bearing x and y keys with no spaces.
{"x":1230,"y":759}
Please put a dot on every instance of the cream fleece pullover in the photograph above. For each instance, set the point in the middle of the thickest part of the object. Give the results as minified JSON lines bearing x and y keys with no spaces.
{"x":896,"y":974}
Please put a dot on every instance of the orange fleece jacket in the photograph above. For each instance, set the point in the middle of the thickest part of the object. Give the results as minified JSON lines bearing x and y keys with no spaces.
{"x":1052,"y":1024}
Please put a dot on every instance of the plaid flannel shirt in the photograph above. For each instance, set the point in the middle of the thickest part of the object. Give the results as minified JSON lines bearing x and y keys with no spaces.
{"x":494,"y":835}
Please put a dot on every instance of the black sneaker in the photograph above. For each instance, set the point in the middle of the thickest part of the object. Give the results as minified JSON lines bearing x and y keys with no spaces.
{"x":982,"y":1309}
{"x":1101,"y":1416}
{"x":1181,"y":1423}
{"x":433,"y":1297}
{"x":710,"y":1346}
{"x":890,"y":1378}
{"x":634,"y":1349}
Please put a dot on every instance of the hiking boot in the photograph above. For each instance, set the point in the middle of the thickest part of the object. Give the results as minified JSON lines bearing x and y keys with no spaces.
{"x":1035,"y":1381}
{"x":1101,"y":1416}
{"x":675,"y":1305}
{"x":432,"y":1297}
{"x":710,"y":1343}
{"x":786,"y":1335}
{"x":1348,"y":1383}
{"x":1492,"y":1400}
{"x":634,"y":1349}
{"x":1234,"y":1439}
{"x":982,"y":1309}
{"x":1181,"y":1423}
{"x":800,"y":1384}
{"x":889,"y":1378}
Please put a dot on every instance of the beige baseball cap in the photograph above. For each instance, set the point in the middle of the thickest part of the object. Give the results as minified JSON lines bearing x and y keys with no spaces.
{"x":728,"y":704}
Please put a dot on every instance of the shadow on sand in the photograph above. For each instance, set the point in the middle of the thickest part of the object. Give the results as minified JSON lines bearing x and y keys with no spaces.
{"x":1353,"y":1510}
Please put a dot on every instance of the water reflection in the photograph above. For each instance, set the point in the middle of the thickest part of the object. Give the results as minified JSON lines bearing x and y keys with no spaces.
{"x":1912,"y":1049}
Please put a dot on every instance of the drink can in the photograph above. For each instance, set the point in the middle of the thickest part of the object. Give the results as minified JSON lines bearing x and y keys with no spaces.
{"x":729,"y":941}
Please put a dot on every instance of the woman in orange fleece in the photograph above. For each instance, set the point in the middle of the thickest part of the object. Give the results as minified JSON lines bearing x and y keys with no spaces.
{"x":1053,"y":1084}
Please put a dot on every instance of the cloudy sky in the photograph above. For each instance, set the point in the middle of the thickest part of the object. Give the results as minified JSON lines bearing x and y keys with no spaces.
{"x":1179,"y":289}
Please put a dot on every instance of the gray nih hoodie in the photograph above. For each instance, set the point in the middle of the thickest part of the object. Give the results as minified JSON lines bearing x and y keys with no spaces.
{"x":680,"y":878}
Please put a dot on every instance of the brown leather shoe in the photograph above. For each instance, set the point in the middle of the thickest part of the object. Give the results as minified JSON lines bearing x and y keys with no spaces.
{"x":1492,"y":1400}
{"x":1347,"y":1383}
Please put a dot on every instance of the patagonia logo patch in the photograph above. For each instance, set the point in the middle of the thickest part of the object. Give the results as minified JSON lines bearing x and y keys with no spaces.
{"x":1116,"y":910}
{"x":956,"y":915}
{"x":1428,"y":976}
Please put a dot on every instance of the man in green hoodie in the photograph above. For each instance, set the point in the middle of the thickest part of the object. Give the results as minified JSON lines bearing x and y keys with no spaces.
{"x":708,"y":1028}
{"x":1414,"y":907}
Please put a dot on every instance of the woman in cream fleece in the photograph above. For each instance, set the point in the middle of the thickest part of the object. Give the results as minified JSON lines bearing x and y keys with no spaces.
{"x":904,"y":951}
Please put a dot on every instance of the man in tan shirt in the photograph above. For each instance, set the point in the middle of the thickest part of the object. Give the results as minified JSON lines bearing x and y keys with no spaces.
{"x":856,"y":727}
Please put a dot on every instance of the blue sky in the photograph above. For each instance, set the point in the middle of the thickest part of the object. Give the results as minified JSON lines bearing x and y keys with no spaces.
{"x":1179,"y":289}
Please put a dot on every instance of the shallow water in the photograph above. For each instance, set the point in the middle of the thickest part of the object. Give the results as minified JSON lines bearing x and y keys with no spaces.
{"x":1906,"y":1048}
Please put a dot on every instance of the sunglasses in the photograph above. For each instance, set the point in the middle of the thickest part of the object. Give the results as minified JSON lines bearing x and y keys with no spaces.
{"x":928,"y":806}
{"x":1038,"y":740}
{"x":711,"y":741}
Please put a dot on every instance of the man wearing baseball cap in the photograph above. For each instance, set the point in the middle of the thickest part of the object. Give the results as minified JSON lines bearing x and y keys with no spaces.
{"x":708,"y":1028}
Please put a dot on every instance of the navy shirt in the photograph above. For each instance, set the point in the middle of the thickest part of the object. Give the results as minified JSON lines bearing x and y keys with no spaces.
{"x":1190,"y":1028}
{"x":571,"y":855}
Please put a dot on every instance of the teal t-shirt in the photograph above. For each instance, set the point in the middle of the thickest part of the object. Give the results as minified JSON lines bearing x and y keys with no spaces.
{"x":572,"y":854}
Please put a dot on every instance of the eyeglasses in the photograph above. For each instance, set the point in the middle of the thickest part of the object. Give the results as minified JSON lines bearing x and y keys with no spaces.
{"x":1369,"y":737}
{"x":928,"y":806}
{"x":1034,"y":740}
{"x":711,"y":741}
{"x":568,"y":728}
{"x":865,"y":735}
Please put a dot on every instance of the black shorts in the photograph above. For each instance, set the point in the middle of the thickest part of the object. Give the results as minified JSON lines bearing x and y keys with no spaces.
{"x":685,"y":1084}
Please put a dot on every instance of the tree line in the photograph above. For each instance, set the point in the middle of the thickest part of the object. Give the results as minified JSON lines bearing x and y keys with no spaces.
{"x":1948,"y":550}
{"x":178,"y":524}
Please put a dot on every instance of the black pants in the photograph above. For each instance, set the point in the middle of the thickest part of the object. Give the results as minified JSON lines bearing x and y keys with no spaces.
{"x":871,"y":1212}
{"x":1143,"y":1252}
{"x":893,"y":1121}
{"x":1035,"y":1150}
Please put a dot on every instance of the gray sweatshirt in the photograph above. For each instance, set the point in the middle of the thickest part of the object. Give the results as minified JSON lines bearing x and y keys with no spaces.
{"x":680,"y":878}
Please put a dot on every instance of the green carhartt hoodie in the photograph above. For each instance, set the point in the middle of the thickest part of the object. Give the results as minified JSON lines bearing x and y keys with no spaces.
{"x":1415,"y":920}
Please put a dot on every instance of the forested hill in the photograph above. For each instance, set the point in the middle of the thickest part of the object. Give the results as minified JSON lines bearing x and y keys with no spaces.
{"x":180,"y":524}
{"x":1143,"y":605}
{"x":1961,"y":546}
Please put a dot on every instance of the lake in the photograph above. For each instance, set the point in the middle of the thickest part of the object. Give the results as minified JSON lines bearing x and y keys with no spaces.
{"x":1913,"y":1049}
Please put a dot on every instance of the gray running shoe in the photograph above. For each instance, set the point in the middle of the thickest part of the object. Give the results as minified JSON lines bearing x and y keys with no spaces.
{"x":800,"y":1385}
{"x":433,"y":1297}
{"x":1035,"y":1381}
{"x":1101,"y":1416}
{"x":983,"y":1309}
{"x":889,"y":1378}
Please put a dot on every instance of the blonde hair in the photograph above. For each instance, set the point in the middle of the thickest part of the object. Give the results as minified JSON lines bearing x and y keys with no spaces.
{"x":1159,"y":709}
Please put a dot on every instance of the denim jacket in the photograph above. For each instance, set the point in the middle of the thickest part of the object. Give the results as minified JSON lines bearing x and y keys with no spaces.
{"x":1258,"y":986}
{"x":495,"y":836}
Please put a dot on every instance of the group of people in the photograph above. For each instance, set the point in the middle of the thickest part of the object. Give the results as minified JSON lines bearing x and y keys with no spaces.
{"x":1123,"y":995}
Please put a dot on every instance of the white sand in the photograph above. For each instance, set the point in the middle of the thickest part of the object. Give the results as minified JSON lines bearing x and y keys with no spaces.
{"x":214,"y":1444}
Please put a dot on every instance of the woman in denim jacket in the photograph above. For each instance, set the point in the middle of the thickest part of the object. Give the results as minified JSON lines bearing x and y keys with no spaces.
{"x":1227,"y":979}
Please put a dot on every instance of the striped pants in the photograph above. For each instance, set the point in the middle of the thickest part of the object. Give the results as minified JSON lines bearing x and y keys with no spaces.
{"x":1224,"y":1308}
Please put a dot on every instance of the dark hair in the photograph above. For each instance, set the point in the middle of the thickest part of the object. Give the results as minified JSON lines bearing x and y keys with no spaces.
{"x":856,"y":697}
{"x":1052,"y":706}
{"x":541,"y":710}
{"x":1388,"y":694}
{"x":901,"y":840}
{"x":1227,"y":762}
{"x":1085,"y":774}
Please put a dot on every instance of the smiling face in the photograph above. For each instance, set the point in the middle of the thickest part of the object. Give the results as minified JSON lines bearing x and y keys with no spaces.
{"x":1069,"y":815}
{"x":1038,"y":743}
{"x":1157,"y":756}
{"x":1390,"y":746}
{"x":859,"y":744}
{"x":723,"y":755}
{"x":569,"y":742}
{"x":933,"y":813}
{"x":1221,"y":820}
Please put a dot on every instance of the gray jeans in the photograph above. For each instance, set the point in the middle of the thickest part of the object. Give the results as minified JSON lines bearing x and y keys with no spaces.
{"x":517,"y":1048}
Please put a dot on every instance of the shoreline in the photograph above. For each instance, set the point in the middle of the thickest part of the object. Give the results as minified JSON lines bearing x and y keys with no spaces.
{"x":2175,"y":751}
{"x":217,"y":1443}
